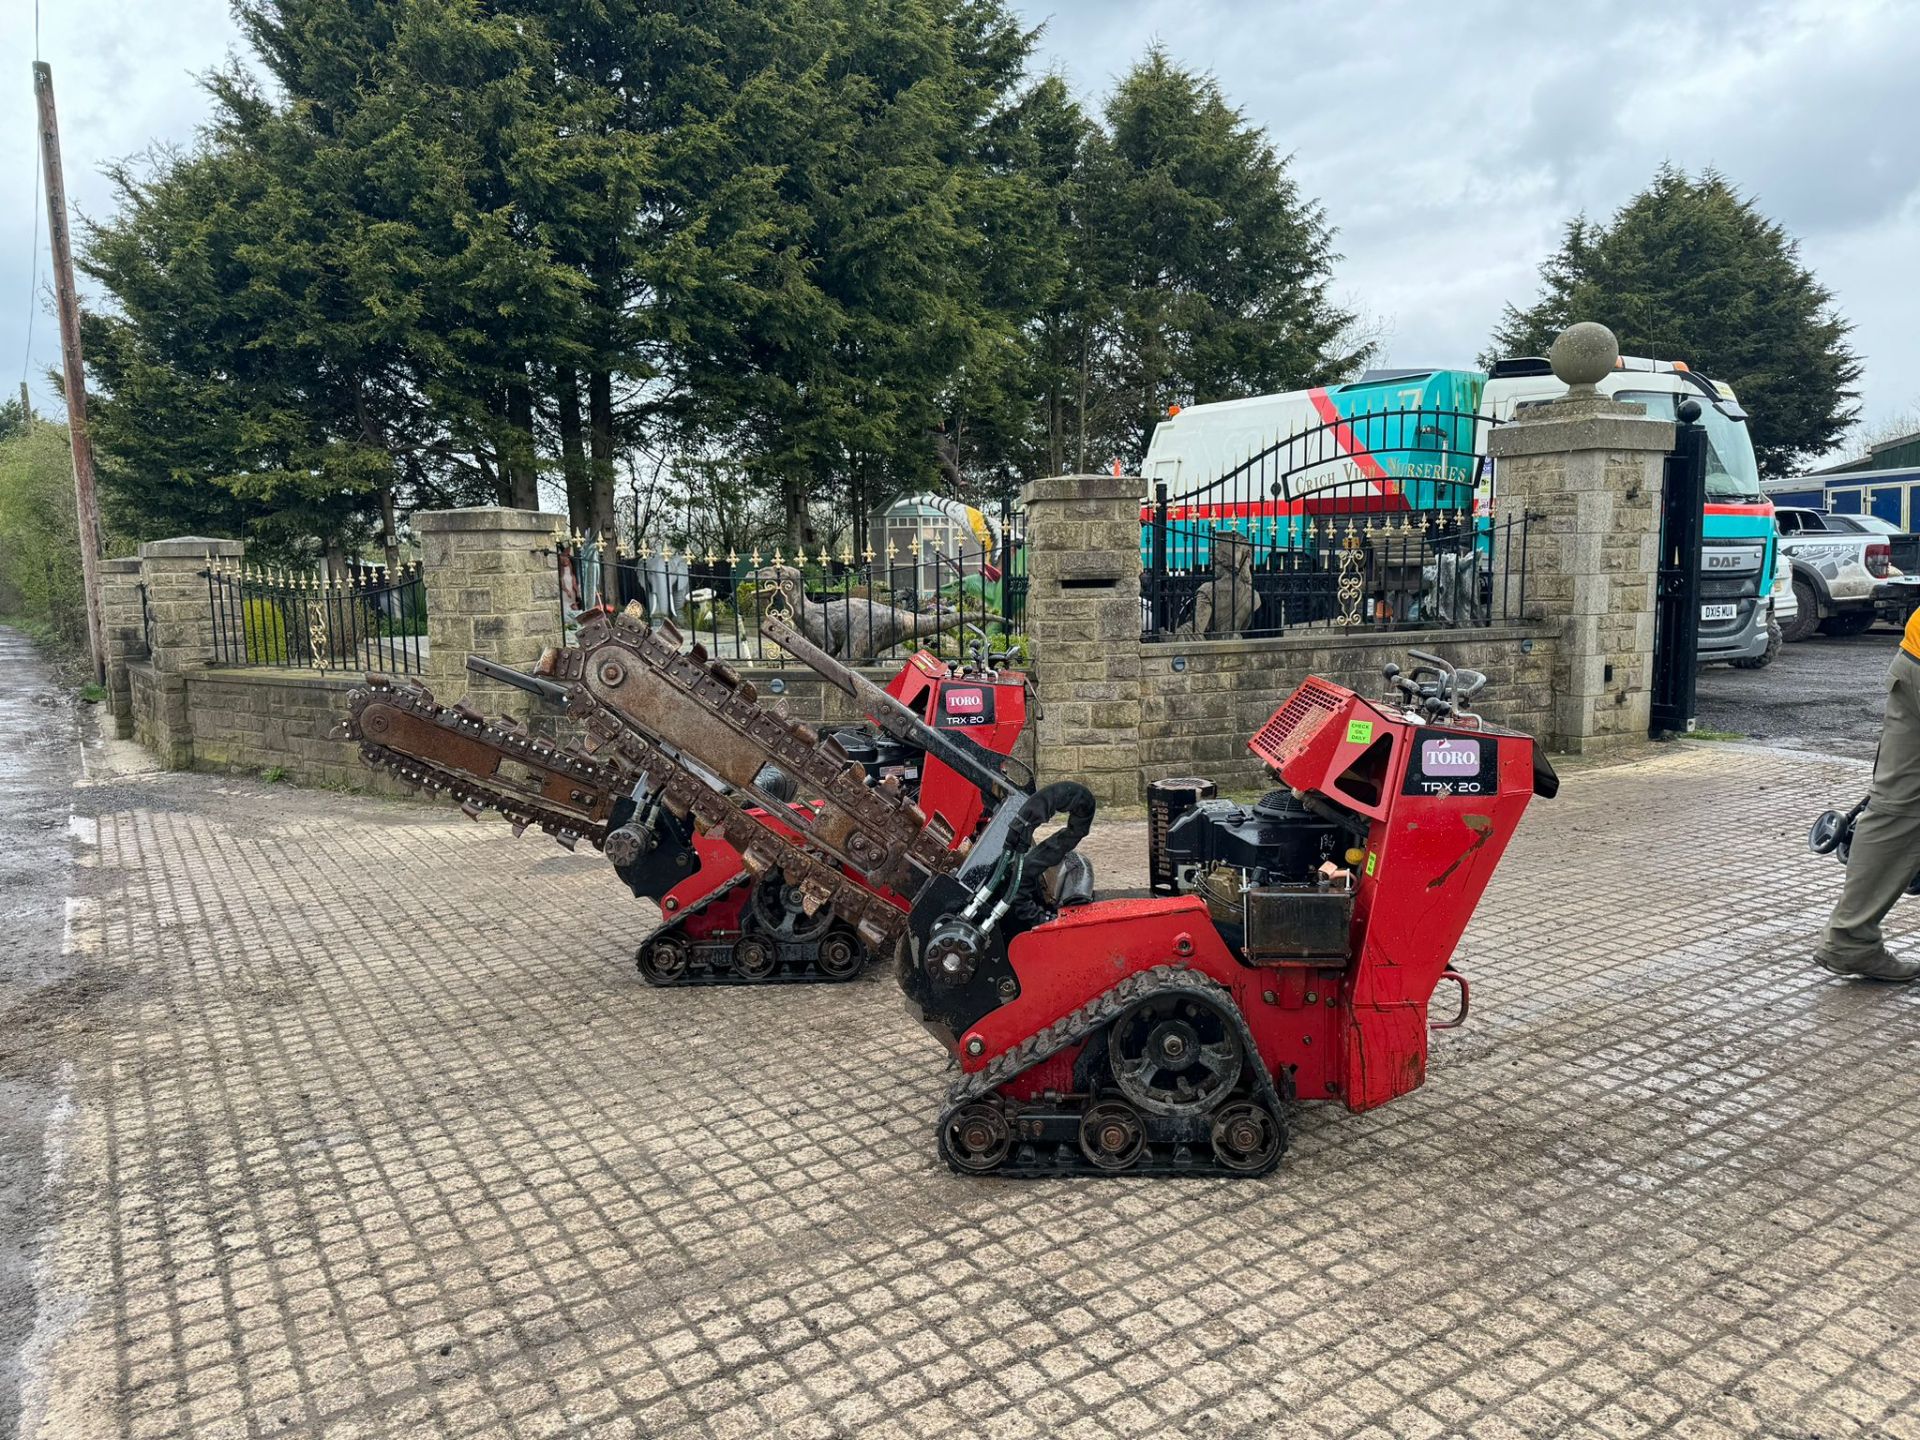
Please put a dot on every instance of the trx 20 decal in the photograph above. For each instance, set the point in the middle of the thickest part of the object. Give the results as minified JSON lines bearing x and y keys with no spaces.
{"x":965,"y":707}
{"x":1445,"y":762}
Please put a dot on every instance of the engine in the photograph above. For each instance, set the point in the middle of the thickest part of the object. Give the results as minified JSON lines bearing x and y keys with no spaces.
{"x":1274,"y":876}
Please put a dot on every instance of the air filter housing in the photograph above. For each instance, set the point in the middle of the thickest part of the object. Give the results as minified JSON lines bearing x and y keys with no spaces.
{"x":1167,"y":801}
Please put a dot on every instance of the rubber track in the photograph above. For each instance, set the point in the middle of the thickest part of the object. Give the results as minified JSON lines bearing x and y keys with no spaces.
{"x":1103,"y":1009}
{"x":793,"y":969}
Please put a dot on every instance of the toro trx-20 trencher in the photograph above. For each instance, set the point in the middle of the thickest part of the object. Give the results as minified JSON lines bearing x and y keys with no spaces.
{"x":726,"y":918}
{"x":1290,"y":955}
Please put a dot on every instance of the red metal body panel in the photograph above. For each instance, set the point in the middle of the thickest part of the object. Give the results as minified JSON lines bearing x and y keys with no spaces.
{"x":1088,"y":950}
{"x":1429,"y":856}
{"x":1442,"y":802}
{"x":990,"y":712}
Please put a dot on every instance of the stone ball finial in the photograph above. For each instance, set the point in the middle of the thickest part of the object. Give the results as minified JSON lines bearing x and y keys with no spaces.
{"x":1583,"y":356}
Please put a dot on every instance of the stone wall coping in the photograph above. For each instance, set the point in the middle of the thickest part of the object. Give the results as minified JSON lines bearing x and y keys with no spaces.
{"x":1358,"y":635}
{"x":190,"y":547}
{"x":1083,"y":487}
{"x":272,"y":675}
{"x":121,"y":565}
{"x":1557,"y":435}
{"x":489,"y":517}
{"x":760,"y":675}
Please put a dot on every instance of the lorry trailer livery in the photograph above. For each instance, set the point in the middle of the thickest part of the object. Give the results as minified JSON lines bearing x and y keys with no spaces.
{"x":1415,"y":441}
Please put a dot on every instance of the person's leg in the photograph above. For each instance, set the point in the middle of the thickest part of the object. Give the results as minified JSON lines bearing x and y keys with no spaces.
{"x":1885,"y":855}
{"x":1881,"y":864}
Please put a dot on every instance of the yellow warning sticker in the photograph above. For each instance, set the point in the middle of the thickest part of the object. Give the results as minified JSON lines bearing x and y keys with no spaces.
{"x":1372,"y":861}
{"x":1359,"y":732}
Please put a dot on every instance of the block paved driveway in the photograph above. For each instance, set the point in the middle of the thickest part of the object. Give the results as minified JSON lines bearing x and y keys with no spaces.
{"x":375,"y":1131}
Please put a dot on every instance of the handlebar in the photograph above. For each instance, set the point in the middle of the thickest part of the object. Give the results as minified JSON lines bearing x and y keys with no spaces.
{"x":1437,"y":687}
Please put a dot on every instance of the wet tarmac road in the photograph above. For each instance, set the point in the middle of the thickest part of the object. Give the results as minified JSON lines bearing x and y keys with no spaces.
{"x":1824,"y":694}
{"x":39,"y":754}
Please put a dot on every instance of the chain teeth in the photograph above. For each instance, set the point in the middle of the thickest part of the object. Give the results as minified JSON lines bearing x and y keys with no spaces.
{"x":893,"y":845}
{"x":470,"y":792}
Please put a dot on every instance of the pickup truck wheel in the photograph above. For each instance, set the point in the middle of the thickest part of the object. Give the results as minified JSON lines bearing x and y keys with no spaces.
{"x":1803,"y":623}
{"x":1765,"y":658}
{"x":1849,"y":622}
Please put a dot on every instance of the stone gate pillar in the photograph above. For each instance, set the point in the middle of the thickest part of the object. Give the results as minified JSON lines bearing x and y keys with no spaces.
{"x":1587,"y":470}
{"x":1083,"y":616}
{"x":123,"y":630}
{"x":178,"y":599}
{"x":492,"y":590}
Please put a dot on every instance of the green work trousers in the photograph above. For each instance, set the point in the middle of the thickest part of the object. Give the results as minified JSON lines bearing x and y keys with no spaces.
{"x":1886,"y":840}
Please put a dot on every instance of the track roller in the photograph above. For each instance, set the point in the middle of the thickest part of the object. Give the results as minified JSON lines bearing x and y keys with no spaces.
{"x":1165,"y":1081}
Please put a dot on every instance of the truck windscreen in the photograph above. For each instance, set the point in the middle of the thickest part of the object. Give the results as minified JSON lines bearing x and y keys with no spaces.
{"x":1731,"y":472}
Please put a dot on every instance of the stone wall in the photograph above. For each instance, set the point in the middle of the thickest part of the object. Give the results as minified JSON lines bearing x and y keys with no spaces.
{"x":492,"y":591}
{"x":157,"y":702}
{"x":245,"y":721}
{"x":1200,"y":701}
{"x":175,"y":574}
{"x":1083,"y":616}
{"x":249,"y":720}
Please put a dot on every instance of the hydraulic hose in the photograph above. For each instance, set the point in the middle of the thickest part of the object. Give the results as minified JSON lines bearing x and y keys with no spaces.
{"x":1066,"y":797}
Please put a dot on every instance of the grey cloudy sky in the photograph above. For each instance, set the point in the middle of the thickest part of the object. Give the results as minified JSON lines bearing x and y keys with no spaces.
{"x":1449,"y":142}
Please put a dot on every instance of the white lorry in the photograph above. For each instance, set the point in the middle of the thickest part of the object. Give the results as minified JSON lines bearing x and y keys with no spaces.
{"x":1201,"y":442}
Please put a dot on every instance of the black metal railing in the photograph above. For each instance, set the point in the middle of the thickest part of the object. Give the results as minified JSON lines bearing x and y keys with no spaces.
{"x":1416,"y":570}
{"x":1380,"y":518}
{"x":146,"y":620}
{"x":369,"y":620}
{"x":871,"y":608}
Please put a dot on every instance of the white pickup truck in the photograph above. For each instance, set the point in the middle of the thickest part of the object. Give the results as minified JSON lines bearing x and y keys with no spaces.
{"x":1837,"y":566}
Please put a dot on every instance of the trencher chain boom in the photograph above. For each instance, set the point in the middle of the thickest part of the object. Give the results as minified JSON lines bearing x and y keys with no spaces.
{"x":1289,"y":954}
{"x":701,"y":833}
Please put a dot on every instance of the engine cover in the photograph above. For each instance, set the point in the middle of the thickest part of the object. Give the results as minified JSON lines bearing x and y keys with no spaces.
{"x":1277,"y":839}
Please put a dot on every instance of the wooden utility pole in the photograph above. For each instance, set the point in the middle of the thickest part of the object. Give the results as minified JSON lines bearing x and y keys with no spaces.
{"x":72,"y":364}
{"x":26,"y":406}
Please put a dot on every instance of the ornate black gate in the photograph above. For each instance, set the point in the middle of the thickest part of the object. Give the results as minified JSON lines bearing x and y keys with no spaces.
{"x":1676,"y":628}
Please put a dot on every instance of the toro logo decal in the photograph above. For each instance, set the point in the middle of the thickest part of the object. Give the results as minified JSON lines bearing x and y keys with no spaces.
{"x":1445,"y":763}
{"x":1456,"y":757}
{"x":964,"y":707}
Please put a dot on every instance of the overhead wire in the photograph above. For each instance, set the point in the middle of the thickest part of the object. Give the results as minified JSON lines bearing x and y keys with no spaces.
{"x":33,"y":205}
